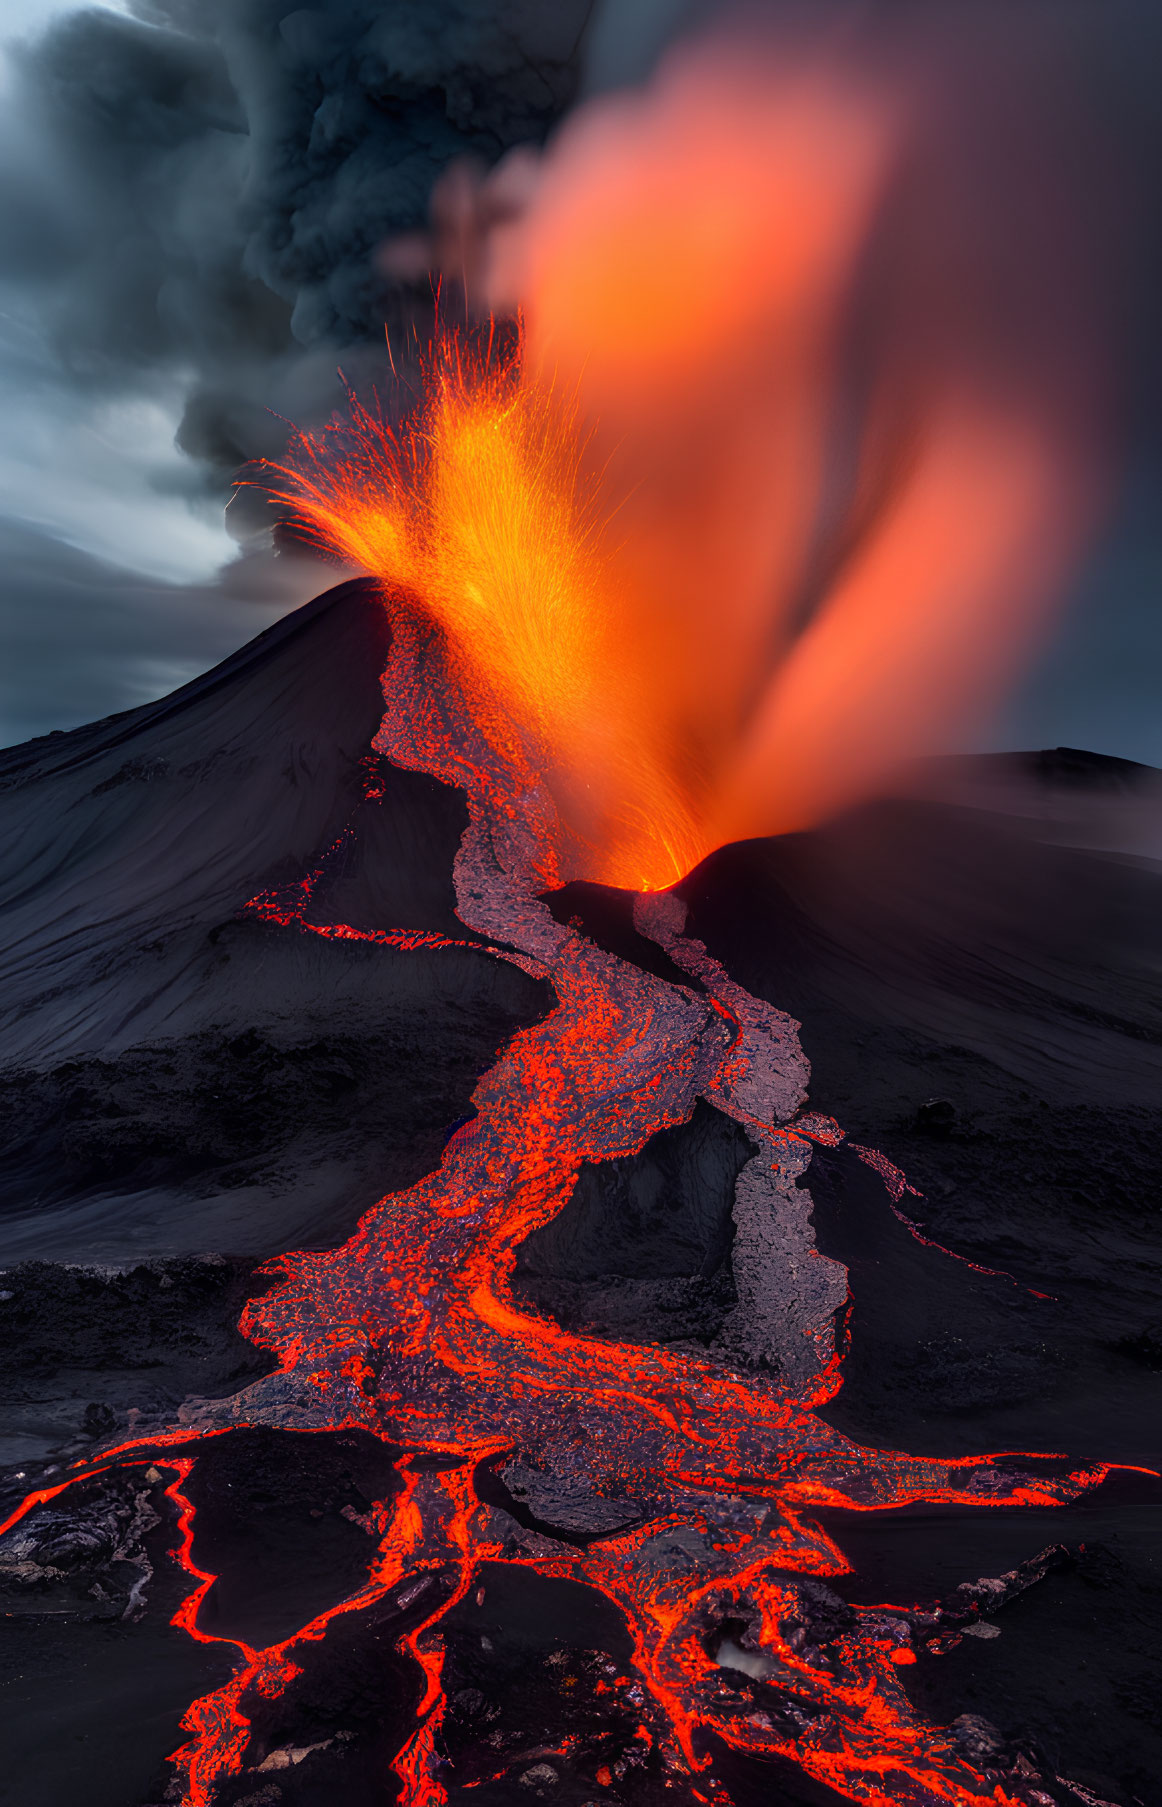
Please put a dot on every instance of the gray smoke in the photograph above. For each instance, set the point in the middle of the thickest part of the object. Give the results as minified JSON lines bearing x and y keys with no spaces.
{"x":197,"y":191}
{"x":191,"y":198}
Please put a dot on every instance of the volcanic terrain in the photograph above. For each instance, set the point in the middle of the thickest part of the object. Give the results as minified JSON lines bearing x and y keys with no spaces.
{"x":239,"y":1008}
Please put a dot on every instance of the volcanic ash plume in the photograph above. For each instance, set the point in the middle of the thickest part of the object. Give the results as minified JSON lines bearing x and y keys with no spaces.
{"x":804,"y":439}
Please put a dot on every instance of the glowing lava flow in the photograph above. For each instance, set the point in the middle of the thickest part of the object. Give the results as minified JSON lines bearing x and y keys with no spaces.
{"x":410,"y":1331}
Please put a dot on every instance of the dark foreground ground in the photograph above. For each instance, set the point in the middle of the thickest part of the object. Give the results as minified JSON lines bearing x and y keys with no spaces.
{"x":184,"y":1093}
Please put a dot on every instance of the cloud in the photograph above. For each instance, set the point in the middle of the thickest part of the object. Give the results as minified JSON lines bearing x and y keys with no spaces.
{"x":191,"y":193}
{"x":196,"y":193}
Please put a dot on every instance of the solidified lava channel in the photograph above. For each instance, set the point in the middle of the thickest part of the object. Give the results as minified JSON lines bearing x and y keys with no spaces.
{"x":708,"y":1474}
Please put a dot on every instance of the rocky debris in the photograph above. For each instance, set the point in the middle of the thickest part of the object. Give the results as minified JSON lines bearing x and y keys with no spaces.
{"x":91,"y":1355}
{"x":289,"y":1756}
{"x":979,"y":1740}
{"x":822,"y":1618}
{"x":536,"y":1701}
{"x":1002,"y":1759}
{"x":82,"y":1554}
{"x":757,"y":1689}
{"x":787,"y":1289}
{"x":960,"y":1611}
{"x":139,"y":770}
{"x":540,"y":1776}
{"x":936,"y":1117}
{"x":209,"y":1113}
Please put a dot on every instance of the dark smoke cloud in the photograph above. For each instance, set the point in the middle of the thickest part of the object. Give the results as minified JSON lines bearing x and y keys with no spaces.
{"x":199,"y":189}
{"x":190,"y":202}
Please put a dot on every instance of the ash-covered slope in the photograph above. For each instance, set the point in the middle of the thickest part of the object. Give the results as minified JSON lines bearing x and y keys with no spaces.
{"x":980,"y":918}
{"x":175,"y":1078}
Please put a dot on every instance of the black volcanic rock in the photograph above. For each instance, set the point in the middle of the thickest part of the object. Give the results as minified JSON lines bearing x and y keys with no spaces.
{"x":642,"y":1250}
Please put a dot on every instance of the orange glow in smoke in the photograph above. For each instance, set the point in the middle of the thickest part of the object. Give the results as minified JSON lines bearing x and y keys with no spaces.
{"x":486,"y":512}
{"x":778,"y":490}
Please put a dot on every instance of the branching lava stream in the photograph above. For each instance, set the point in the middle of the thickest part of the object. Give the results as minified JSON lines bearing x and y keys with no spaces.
{"x":706,"y":1474}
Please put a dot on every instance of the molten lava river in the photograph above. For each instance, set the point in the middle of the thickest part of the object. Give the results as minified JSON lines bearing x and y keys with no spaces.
{"x":704,"y":1477}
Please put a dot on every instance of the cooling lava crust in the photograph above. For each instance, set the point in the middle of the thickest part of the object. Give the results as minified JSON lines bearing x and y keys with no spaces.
{"x":201,"y":1072}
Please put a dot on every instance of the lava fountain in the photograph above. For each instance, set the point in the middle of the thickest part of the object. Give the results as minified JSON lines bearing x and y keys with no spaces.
{"x":811,"y":427}
{"x":525,"y":558}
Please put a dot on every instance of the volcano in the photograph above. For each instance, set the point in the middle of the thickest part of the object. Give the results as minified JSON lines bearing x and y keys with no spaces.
{"x":448,"y":1357}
